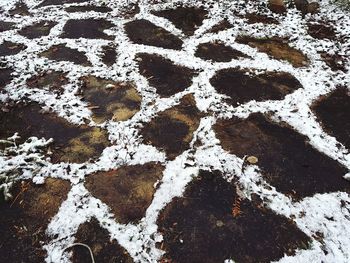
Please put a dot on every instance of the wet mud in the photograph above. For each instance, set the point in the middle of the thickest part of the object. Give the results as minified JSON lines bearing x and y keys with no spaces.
{"x":242,"y":86}
{"x":110,"y":100}
{"x":333,"y":111}
{"x":276,"y":48}
{"x":24,"y":219}
{"x":87,"y":28}
{"x":162,"y":74}
{"x":188,"y":19}
{"x":287,"y":161}
{"x":51,"y":80}
{"x":146,"y":33}
{"x":172,"y":130}
{"x":72,"y":143}
{"x":62,"y":53}
{"x":128,"y":191}
{"x":20,"y":9}
{"x":218,"y":52}
{"x":211,"y":223}
{"x":98,"y":239}
{"x":37,"y":30}
{"x":8,"y":48}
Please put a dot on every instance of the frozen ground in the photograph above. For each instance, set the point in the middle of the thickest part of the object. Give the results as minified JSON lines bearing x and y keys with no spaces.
{"x":174,"y":131}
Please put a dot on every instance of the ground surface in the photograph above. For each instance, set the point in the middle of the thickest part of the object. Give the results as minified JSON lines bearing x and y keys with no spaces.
{"x":174,"y":131}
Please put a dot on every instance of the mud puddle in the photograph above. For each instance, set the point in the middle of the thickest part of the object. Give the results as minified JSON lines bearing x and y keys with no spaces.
{"x":128,"y":191}
{"x":172,"y":130}
{"x":62,"y":53}
{"x":242,"y":86}
{"x":110,"y":100}
{"x":8,"y":48}
{"x":210,"y":223}
{"x":333,"y":112}
{"x":287,"y":161}
{"x":87,"y":28}
{"x":218,"y":52}
{"x":162,"y":74}
{"x":24,"y":219}
{"x":277,"y":48}
{"x":37,"y":30}
{"x":146,"y":33}
{"x":71,"y":143}
{"x":188,"y":19}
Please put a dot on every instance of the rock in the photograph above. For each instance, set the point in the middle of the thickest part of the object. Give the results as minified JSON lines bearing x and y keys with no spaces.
{"x":313,"y":8}
{"x":277,"y":6}
{"x":252,"y":159}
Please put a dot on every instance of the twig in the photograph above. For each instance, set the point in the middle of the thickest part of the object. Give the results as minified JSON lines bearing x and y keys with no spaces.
{"x":83,"y":245}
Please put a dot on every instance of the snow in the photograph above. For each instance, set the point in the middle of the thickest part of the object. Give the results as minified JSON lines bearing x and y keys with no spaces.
{"x":140,"y":239}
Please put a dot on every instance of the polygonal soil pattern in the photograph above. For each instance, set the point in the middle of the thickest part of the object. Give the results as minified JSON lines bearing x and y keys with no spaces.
{"x":8,"y":48}
{"x":37,"y":30}
{"x":218,"y":52}
{"x":87,"y":28}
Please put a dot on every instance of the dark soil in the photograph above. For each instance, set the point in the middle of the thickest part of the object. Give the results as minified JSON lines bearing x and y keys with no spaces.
{"x":62,"y":53}
{"x":24,"y":219}
{"x":118,"y":103}
{"x":4,"y":26}
{"x":88,"y":8}
{"x":144,"y":32}
{"x":218,"y":52}
{"x":211,"y":223}
{"x":321,"y":31}
{"x":287,"y":161}
{"x":51,"y":80}
{"x":188,"y":19}
{"x":37,"y":30}
{"x":128,"y":191}
{"x":276,"y":48}
{"x":172,"y":130}
{"x":335,"y":62}
{"x":60,"y":2}
{"x":8,"y":48}
{"x":71,"y":143}
{"x":162,"y":74}
{"x":5,"y":77}
{"x":333,"y":112}
{"x":256,"y":18}
{"x":87,"y":28}
{"x":221,"y":26}
{"x":103,"y":249}
{"x":20,"y":9}
{"x":109,"y":55}
{"x":242,"y":86}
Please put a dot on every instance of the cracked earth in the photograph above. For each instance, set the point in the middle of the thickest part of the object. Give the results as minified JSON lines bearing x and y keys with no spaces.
{"x":174,"y":131}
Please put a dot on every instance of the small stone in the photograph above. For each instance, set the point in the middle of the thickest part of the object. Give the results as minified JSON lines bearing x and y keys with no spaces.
{"x":252,"y":159}
{"x":219,"y":223}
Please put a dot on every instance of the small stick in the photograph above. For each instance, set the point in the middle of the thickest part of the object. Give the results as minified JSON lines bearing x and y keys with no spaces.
{"x":83,"y":245}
